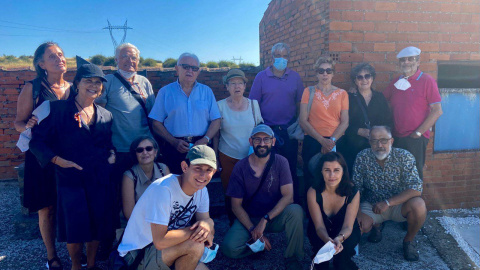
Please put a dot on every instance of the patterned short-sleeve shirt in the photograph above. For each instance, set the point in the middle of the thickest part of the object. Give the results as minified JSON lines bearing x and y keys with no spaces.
{"x":378,"y":184}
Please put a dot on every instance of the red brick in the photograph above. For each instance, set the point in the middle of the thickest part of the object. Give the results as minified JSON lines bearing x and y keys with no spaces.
{"x":470,"y":8}
{"x":460,"y":38}
{"x":409,"y":6}
{"x":385,"y":67}
{"x":385,"y":6}
{"x":375,"y":16}
{"x":351,"y":36}
{"x":351,"y":57}
{"x":428,"y":27}
{"x":374,"y":57}
{"x":341,"y":26}
{"x":417,"y":37}
{"x":363,"y":47}
{"x":460,"y":18}
{"x":475,"y":56}
{"x":363,"y":26}
{"x":363,"y":5}
{"x":353,"y":15}
{"x":396,"y":37}
{"x":439,"y":37}
{"x":372,"y":37}
{"x":453,"y":8}
{"x":334,"y":36}
{"x":340,"y":4}
{"x":340,"y":47}
{"x":385,"y":26}
{"x":459,"y":56}
{"x":428,"y":47}
{"x":438,"y":56}
{"x":460,"y":47}
{"x":384,"y":47}
{"x":469,"y":28}
{"x":475,"y":18}
{"x":335,"y":15}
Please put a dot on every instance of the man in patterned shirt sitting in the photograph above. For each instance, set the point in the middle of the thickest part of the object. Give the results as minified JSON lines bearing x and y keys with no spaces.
{"x":390,"y":189}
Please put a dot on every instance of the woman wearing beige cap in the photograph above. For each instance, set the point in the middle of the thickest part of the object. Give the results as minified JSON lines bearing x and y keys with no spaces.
{"x":239,"y":116}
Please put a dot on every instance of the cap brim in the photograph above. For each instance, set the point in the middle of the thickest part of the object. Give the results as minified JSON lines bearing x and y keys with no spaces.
{"x":202,"y":161}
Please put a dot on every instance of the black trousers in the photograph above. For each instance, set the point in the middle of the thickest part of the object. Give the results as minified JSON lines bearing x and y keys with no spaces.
{"x":341,"y":261}
{"x":172,"y":158}
{"x":418,"y":148}
{"x":289,"y":149}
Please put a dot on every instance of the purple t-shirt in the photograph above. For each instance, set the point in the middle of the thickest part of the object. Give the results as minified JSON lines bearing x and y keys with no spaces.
{"x":277,"y":97}
{"x":243,"y":184}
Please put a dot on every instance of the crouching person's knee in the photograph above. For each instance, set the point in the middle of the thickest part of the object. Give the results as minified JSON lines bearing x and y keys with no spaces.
{"x":195,"y":249}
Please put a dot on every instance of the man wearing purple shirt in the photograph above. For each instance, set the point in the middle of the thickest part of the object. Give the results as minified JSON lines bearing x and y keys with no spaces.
{"x":263,"y":203}
{"x":279,"y":90}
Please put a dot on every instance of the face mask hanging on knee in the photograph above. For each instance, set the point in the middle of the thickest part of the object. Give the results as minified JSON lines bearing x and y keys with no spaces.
{"x":257,"y":246}
{"x":324,"y":254}
{"x":280,"y":63}
{"x":209,"y":253}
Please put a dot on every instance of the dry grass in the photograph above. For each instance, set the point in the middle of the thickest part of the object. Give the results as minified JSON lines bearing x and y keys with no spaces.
{"x":20,"y":63}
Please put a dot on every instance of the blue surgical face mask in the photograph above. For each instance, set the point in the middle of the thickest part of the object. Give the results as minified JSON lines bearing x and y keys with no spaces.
{"x":280,"y":63}
{"x":257,"y":246}
{"x":209,"y":253}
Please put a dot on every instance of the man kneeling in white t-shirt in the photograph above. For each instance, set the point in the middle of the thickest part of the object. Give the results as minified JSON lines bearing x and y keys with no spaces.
{"x":162,"y":214}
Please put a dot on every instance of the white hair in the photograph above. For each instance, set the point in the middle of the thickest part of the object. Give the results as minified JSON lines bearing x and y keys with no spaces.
{"x":126,"y":45}
{"x":192,"y":55}
{"x":280,"y":46}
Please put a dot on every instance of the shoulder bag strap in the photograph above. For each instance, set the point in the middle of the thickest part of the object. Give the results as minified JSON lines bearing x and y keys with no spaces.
{"x":310,"y":98}
{"x":253,"y":112}
{"x":264,"y":176}
{"x":135,"y":95}
{"x":134,"y":179}
{"x":364,"y":111}
{"x":160,"y":168}
{"x":36,"y":84}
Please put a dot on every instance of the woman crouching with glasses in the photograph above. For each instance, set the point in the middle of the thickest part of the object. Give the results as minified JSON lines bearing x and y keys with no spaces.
{"x":136,"y":180}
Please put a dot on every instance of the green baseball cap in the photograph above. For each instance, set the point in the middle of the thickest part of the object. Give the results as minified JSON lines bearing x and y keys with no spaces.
{"x":202,"y":154}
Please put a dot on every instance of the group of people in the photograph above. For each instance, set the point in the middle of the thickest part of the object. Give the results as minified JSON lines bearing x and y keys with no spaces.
{"x":93,"y":171}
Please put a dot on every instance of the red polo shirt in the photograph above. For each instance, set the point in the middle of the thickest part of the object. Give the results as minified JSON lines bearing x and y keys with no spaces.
{"x":412,"y":106}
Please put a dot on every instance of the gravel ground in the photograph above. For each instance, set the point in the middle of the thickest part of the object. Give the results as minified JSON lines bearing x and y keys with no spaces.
{"x":21,"y":247}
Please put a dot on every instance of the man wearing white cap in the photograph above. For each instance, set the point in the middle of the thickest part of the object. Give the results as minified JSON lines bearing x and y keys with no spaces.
{"x":415,"y":102}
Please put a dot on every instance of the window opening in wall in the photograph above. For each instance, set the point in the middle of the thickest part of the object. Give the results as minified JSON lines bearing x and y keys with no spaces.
{"x":334,"y":56}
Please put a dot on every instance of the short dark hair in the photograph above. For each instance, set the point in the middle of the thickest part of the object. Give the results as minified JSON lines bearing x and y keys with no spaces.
{"x":387,"y":128}
{"x":38,"y":57}
{"x":137,"y":141}
{"x":345,"y":188}
{"x":359,"y":68}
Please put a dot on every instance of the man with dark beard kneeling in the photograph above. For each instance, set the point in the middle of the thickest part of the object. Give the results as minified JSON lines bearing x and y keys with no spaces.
{"x":262,"y":201}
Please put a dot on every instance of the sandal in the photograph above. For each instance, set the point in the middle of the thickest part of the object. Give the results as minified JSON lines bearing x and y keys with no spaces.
{"x":53,"y":260}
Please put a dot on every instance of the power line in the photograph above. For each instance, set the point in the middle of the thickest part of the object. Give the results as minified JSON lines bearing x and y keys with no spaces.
{"x":43,"y":28}
{"x":112,"y":27}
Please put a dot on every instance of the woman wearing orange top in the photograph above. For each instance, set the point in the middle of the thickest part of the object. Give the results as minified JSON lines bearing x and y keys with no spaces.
{"x":327,"y":119}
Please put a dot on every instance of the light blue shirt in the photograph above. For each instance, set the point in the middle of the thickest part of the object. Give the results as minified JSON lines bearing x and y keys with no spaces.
{"x":185,"y":116}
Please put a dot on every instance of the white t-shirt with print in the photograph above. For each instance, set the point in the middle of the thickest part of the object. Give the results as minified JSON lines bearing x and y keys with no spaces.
{"x":163,"y":200}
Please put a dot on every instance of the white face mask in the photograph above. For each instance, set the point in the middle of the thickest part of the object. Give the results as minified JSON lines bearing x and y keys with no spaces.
{"x":402,"y":84}
{"x":126,"y":74}
{"x":209,"y":253}
{"x":324,"y":254}
{"x":257,"y":246}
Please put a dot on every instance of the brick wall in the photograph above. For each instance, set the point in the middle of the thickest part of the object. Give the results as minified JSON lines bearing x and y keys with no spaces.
{"x":354,"y":31}
{"x":11,"y":82}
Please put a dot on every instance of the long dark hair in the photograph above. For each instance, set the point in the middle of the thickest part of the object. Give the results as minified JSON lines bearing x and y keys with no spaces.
{"x":345,"y":188}
{"x":137,"y":141}
{"x":38,"y":57}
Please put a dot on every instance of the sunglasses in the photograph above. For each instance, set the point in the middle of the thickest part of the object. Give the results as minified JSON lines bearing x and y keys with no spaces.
{"x":187,"y":67}
{"x":322,"y":70}
{"x":139,"y":150}
{"x":366,"y":77}
{"x":410,"y":59}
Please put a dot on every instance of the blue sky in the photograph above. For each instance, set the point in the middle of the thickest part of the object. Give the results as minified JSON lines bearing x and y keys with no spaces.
{"x":212,"y":29}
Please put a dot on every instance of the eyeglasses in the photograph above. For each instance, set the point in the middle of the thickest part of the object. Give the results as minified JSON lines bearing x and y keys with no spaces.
{"x":187,"y":67}
{"x":410,"y":59}
{"x":322,"y":70}
{"x":91,"y":82}
{"x":366,"y":77}
{"x":382,"y":141}
{"x":132,"y":58}
{"x":258,"y":140}
{"x":139,"y":150}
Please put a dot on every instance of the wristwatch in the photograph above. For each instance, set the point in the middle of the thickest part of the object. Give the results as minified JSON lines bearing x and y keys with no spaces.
{"x":208,"y":139}
{"x":267,"y":218}
{"x":418,"y":133}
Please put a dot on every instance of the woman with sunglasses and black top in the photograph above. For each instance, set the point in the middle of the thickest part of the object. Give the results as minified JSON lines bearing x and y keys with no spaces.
{"x":368,"y":108}
{"x":136,"y":180}
{"x":327,"y":119}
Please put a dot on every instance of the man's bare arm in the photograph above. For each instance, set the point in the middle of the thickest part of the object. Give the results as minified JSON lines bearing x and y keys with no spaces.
{"x":435,"y":113}
{"x":163,"y":239}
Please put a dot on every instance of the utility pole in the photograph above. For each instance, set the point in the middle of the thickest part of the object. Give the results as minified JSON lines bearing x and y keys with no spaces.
{"x":113,"y":27}
{"x":237,"y":59}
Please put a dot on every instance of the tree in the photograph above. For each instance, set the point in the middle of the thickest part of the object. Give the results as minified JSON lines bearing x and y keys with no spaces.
{"x":203,"y":64}
{"x":149,"y":62}
{"x":229,"y":64}
{"x":247,"y":65}
{"x":110,"y":61}
{"x":169,"y":62}
{"x":98,"y":59}
{"x":212,"y":64}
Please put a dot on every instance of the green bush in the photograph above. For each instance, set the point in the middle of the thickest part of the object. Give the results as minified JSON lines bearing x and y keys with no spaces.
{"x":169,"y":62}
{"x":229,"y":64}
{"x":212,"y":64}
{"x":203,"y":64}
{"x":26,"y":58}
{"x":98,"y":59}
{"x":247,"y":65}
{"x":10,"y":58}
{"x":149,"y":62}
{"x":110,"y":61}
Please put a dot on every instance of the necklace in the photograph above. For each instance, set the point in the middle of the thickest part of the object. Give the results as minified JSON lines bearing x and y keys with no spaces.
{"x":78,"y":115}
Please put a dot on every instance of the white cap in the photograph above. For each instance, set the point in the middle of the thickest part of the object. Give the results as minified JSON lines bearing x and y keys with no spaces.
{"x":409,"y":51}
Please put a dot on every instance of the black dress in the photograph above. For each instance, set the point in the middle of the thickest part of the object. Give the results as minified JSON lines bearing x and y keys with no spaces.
{"x":379,"y":114}
{"x":333,"y":224}
{"x":84,"y":201}
{"x":39,"y":183}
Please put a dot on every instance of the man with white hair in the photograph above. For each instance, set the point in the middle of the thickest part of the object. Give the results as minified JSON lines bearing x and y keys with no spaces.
{"x":185,"y":113}
{"x":129,"y":97}
{"x":390,"y":189}
{"x":415,"y":102}
{"x":278,"y":91}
